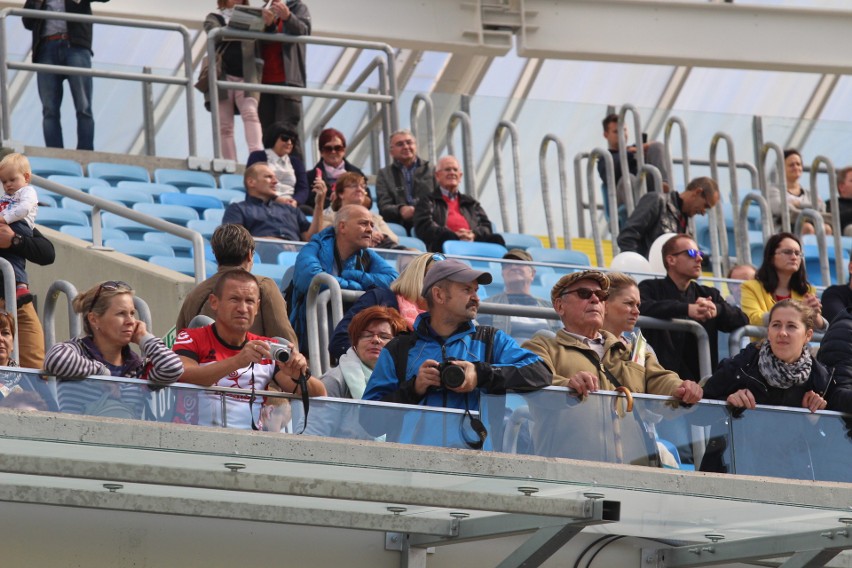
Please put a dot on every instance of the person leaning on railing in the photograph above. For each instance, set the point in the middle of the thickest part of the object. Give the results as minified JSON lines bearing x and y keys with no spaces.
{"x":778,"y":371}
{"x":110,"y":325}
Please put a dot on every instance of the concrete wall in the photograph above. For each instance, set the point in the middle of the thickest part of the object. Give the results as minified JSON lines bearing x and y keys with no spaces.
{"x":163,"y":290}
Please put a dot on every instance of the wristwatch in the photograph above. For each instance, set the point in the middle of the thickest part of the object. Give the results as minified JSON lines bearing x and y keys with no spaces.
{"x":17,"y":240}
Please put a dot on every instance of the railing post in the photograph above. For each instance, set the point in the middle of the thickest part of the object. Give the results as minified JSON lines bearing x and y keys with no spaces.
{"x":740,"y":232}
{"x":5,"y":112}
{"x":563,"y":184}
{"x":498,"y":172}
{"x":461,"y":117}
{"x":314,"y":352}
{"x":630,"y":192}
{"x":782,"y":180}
{"x":837,"y":229}
{"x":11,"y":304}
{"x":74,"y":324}
{"x":594,"y":155}
{"x":816,"y":218}
{"x":148,"y":116}
{"x":684,"y":148}
{"x":426,"y":100}
{"x":766,"y":218}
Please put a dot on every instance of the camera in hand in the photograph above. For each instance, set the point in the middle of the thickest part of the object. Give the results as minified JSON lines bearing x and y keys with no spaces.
{"x":452,"y":376}
{"x":280,"y":352}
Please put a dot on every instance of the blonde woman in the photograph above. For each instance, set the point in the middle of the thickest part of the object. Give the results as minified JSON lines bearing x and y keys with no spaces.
{"x":403,"y":296}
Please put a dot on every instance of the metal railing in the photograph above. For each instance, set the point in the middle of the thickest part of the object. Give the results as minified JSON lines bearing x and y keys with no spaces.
{"x":9,"y":293}
{"x":498,"y":174}
{"x":782,"y":180}
{"x":186,"y":82}
{"x":631,"y":194}
{"x":563,"y":190}
{"x":836,"y":227}
{"x":387,"y":80}
{"x":424,"y":100}
{"x":594,"y":155}
{"x":100,"y":204}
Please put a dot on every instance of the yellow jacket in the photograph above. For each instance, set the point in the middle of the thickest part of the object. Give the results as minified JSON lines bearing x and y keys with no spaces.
{"x":756,"y":301}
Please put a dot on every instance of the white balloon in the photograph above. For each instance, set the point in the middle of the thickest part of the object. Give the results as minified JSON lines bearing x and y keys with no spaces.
{"x":655,"y":255}
{"x":630,"y":262}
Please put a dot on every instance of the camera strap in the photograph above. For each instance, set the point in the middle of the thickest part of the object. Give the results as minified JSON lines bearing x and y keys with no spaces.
{"x":485,"y":334}
{"x":302,"y":382}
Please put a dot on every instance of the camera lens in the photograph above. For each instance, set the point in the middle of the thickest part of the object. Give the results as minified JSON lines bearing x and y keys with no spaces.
{"x":452,"y":376}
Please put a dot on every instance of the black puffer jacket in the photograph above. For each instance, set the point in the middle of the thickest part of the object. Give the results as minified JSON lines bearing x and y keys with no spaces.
{"x":836,"y":352}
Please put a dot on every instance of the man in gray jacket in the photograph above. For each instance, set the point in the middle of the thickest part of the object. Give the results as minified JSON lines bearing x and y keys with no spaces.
{"x":658,"y":213}
{"x":407,"y":179}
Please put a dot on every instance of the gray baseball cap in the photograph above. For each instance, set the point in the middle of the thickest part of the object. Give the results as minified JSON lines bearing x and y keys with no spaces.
{"x":455,"y":271}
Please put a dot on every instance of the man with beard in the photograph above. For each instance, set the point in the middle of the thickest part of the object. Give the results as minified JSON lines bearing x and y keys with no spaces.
{"x":474,"y":358}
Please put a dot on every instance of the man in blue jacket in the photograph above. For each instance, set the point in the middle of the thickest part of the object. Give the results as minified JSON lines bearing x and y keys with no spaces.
{"x":489,"y":360}
{"x":342,"y":251}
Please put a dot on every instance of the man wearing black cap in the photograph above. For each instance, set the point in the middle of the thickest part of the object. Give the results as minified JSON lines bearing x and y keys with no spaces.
{"x":517,"y":280}
{"x":409,"y":369}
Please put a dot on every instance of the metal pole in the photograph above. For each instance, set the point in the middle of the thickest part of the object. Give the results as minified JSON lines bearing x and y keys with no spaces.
{"x":461,"y":117}
{"x":740,"y":231}
{"x":498,"y":170}
{"x":594,"y":155}
{"x":148,"y":116}
{"x":835,"y":211}
{"x":630,"y":192}
{"x":563,"y":183}
{"x":782,"y":180}
{"x":430,"y":122}
{"x":4,"y":81}
{"x":75,"y":326}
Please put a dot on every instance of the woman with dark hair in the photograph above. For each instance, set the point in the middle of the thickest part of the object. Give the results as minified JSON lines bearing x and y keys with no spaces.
{"x":781,"y":276}
{"x":110,"y":325}
{"x":332,"y":163}
{"x":796,"y":197}
{"x":281,"y":155}
{"x":351,"y":189}
{"x":7,"y":340}
{"x":239,"y":64}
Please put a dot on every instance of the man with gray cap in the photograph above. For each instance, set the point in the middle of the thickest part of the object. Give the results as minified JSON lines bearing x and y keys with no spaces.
{"x":517,"y":281}
{"x":582,"y":350}
{"x":413,"y":369}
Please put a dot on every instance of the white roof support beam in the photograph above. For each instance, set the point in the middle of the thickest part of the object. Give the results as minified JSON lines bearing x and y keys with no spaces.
{"x":705,"y":34}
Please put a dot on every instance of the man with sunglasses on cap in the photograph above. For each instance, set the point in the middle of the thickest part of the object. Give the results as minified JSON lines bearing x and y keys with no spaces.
{"x":582,"y":350}
{"x":658,"y":213}
{"x":679,"y":296}
{"x":414,"y":369}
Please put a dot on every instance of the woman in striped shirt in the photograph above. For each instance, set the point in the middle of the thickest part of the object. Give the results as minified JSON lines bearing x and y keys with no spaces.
{"x":110,"y":324}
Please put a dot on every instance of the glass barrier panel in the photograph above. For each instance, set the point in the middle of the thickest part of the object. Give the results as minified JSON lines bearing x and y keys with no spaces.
{"x":790,"y":443}
{"x":26,"y":389}
{"x":554,"y":422}
{"x":366,"y":420}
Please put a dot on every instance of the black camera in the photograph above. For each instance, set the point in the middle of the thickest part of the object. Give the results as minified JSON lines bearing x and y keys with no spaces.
{"x":452,"y":376}
{"x":280,"y":352}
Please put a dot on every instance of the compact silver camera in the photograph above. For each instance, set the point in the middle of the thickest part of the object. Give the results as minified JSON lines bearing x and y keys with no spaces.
{"x":280,"y":352}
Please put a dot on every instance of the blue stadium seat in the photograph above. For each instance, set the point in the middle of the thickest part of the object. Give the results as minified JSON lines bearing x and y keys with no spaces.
{"x":232,"y":181}
{"x":46,"y":167}
{"x":139,"y":249}
{"x":181,"y":247}
{"x":548,"y":280}
{"x":128,"y":197}
{"x":133,"y":229}
{"x":182,"y":265}
{"x":71,"y":204}
{"x":474,"y":248}
{"x":398,"y":229}
{"x":412,"y":242}
{"x":200,"y":203}
{"x":183,"y":179}
{"x":155,"y":190}
{"x":55,"y":218}
{"x":813,"y":269}
{"x":274,"y":271}
{"x":226,"y":196}
{"x":287,"y":258}
{"x":85,"y":233}
{"x":46,"y":199}
{"x":520,"y":241}
{"x":81,"y":183}
{"x":204,"y":227}
{"x":178,"y":214}
{"x":559,"y":256}
{"x":114,"y":173}
{"x":214,"y":215}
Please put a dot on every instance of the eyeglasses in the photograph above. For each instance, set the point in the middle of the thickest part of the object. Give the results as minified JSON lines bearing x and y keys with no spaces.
{"x":789,"y":252}
{"x":586,"y":293}
{"x":285,"y":138}
{"x":336,"y":148}
{"x":438,"y":257}
{"x":109,"y":286}
{"x":369,"y":335}
{"x":693,"y":253}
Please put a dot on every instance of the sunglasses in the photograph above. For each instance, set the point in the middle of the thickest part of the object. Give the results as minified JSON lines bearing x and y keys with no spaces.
{"x":285,"y":138}
{"x":586,"y":293}
{"x":693,"y":253}
{"x":109,"y":286}
{"x":438,"y":257}
{"x":330,"y":148}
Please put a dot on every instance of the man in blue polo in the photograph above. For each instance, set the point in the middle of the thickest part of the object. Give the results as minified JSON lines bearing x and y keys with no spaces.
{"x":263,"y":216}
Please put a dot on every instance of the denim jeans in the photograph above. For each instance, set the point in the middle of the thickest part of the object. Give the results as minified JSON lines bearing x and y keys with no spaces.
{"x":61,"y":52}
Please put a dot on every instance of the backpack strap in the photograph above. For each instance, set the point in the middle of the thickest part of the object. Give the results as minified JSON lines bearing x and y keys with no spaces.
{"x":399,"y":347}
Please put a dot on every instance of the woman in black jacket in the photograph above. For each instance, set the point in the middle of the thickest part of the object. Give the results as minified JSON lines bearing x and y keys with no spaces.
{"x":778,"y":371}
